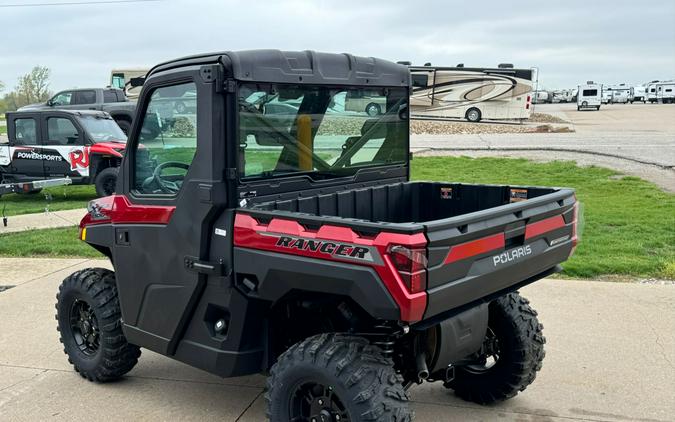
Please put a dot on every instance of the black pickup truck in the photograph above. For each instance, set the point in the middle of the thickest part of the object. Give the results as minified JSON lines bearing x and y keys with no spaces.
{"x":276,"y":232}
{"x":111,"y":100}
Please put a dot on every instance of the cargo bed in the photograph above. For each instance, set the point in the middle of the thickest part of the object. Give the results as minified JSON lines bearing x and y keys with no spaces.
{"x":482,"y":240}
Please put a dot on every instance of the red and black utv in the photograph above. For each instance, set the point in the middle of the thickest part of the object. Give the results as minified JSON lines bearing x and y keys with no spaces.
{"x":277,"y":232}
{"x":85,"y":146}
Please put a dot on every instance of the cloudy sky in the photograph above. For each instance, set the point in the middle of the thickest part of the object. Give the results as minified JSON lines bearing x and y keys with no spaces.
{"x":609,"y":41}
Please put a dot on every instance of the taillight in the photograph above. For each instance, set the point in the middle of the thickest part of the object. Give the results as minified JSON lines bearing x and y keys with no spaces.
{"x":575,"y":223}
{"x":527,"y":103}
{"x":411,"y":264}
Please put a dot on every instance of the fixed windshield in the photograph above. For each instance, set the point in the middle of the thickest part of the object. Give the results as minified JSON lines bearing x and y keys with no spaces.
{"x":319,"y":130}
{"x":102,"y":129}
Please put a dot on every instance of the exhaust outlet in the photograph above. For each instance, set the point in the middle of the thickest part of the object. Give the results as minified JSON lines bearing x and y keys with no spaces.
{"x":422,"y":369}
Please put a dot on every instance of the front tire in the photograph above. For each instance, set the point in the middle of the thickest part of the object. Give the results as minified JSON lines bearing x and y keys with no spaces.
{"x":333,"y":377}
{"x":90,"y":326}
{"x":512,"y":354}
{"x":106,"y":181}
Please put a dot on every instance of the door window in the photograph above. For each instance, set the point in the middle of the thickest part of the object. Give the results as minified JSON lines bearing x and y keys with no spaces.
{"x":25,"y":131}
{"x":61,"y":131}
{"x":62,"y":98}
{"x":167,"y":141}
{"x":83,"y":97}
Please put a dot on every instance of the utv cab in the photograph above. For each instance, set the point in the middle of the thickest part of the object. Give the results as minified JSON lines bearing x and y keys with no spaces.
{"x":275,"y":230}
{"x":85,"y":146}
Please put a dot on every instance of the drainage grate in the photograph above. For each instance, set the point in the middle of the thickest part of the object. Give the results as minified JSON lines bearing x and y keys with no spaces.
{"x":3,"y":288}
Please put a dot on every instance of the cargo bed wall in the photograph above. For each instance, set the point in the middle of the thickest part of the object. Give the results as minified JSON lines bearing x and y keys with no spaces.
{"x":406,"y":202}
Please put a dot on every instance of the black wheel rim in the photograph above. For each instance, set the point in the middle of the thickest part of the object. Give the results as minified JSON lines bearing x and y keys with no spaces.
{"x":84,"y":327}
{"x":489,"y":356}
{"x":109,"y":185}
{"x":315,"y":402}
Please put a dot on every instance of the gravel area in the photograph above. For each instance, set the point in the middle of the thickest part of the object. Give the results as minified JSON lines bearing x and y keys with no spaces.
{"x":436,"y":127}
{"x":545,"y":118}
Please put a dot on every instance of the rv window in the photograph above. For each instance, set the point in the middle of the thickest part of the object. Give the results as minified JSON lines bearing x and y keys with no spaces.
{"x":669,"y":90}
{"x":589,"y":92}
{"x":652,"y":90}
{"x":420,"y":79}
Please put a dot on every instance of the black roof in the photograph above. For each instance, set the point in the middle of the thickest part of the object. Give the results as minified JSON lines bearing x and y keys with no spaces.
{"x":299,"y":66}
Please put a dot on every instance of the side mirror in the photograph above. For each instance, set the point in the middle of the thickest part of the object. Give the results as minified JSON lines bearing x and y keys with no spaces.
{"x":50,"y":102}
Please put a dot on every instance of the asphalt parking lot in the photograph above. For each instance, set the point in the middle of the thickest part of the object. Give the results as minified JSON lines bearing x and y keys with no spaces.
{"x":610,"y":354}
{"x":636,"y":139}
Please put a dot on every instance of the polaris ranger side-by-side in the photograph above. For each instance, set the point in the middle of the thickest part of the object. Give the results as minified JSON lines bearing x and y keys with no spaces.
{"x":86,"y":146}
{"x":280,"y":233}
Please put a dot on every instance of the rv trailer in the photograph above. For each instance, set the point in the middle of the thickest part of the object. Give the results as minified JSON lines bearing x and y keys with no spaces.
{"x":638,"y":93}
{"x":606,"y":97}
{"x":620,"y":93}
{"x":473,"y":94}
{"x":589,"y":96}
{"x":541,"y":97}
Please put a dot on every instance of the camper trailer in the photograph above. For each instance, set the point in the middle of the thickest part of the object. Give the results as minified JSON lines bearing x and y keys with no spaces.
{"x":665,"y":92}
{"x":638,"y":93}
{"x":541,"y":97}
{"x":620,"y":94}
{"x":473,"y":94}
{"x":121,"y":78}
{"x":606,"y":97}
{"x":589,"y":96}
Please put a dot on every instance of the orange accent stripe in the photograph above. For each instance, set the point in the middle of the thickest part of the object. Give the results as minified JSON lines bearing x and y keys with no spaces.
{"x":475,"y":247}
{"x":544,"y":226}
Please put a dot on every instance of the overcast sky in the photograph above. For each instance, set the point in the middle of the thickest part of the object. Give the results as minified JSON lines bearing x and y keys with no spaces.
{"x":608,"y":41}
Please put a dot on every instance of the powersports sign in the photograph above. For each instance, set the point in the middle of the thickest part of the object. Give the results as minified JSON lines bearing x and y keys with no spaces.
{"x":77,"y":158}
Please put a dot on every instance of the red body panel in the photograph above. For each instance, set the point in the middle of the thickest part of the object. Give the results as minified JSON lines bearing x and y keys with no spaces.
{"x":249,"y":233}
{"x":108,"y":148}
{"x":118,"y":210}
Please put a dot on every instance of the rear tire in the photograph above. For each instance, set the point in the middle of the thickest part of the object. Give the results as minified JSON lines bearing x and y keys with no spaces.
{"x":106,"y":181}
{"x":515,"y":330}
{"x":329,"y":375}
{"x":473,"y":115}
{"x":90,"y":326}
{"x":373,"y":110}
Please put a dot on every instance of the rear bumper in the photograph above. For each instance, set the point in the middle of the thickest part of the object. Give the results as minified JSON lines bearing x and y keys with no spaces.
{"x":480,"y":285}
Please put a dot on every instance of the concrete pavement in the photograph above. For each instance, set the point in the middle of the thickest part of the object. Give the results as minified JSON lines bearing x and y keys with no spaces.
{"x":43,"y":220}
{"x":610,"y":354}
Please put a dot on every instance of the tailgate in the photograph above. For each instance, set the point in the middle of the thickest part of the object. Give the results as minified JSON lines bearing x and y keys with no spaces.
{"x":476,"y":256}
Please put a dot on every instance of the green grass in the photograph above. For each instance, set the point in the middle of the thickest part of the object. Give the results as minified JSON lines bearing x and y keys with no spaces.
{"x":55,"y":199}
{"x":63,"y":242}
{"x":628,"y":224}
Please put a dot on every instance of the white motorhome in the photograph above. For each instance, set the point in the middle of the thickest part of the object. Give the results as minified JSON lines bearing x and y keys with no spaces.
{"x":471,"y":93}
{"x":120,"y":78}
{"x":589,"y":96}
{"x":638,"y":93}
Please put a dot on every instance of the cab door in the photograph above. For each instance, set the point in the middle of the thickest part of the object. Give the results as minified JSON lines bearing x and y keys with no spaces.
{"x":63,"y":141}
{"x":173,"y":192}
{"x":25,"y":148}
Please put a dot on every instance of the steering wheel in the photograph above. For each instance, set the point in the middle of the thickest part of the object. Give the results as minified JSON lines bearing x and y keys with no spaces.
{"x":166,"y":186}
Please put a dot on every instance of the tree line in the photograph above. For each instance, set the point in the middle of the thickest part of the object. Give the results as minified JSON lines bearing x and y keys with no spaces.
{"x":33,"y":87}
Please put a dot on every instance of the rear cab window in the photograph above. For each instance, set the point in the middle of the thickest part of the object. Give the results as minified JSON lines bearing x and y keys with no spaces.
{"x":319,"y":131}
